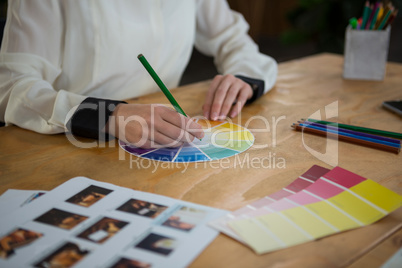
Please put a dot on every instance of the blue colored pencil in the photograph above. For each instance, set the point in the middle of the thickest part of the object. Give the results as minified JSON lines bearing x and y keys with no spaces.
{"x":343,"y":137}
{"x":351,"y":135}
{"x":357,"y":133}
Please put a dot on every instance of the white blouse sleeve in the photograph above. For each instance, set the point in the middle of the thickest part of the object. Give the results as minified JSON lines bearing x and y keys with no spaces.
{"x":222,"y":33}
{"x":30,"y":63}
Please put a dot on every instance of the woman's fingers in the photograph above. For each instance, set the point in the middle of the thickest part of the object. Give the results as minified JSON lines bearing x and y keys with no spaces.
{"x":243,"y":96}
{"x":152,"y":126}
{"x":179,"y":126}
{"x":226,"y":95}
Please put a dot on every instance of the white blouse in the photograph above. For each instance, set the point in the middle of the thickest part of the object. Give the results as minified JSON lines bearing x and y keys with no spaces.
{"x":56,"y":53}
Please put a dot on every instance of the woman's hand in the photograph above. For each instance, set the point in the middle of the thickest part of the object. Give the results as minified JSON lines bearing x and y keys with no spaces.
{"x":226,"y":96}
{"x":152,"y":126}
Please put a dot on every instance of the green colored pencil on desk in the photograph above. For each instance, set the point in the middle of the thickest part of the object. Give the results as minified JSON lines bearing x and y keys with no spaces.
{"x":361,"y":129}
{"x":161,"y":85}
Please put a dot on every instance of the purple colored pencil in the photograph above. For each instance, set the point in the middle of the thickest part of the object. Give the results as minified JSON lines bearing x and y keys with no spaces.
{"x":372,"y":14}
{"x":357,"y":133}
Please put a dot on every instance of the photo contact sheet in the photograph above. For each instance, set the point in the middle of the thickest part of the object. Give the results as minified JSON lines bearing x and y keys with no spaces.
{"x":86,"y":223}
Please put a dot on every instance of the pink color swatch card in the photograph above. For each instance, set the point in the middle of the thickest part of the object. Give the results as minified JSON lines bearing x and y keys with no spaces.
{"x":307,"y":179}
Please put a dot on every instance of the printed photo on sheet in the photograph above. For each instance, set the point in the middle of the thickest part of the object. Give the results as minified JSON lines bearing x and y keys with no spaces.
{"x":16,"y":239}
{"x":102,"y":230}
{"x":158,"y":243}
{"x":66,"y":256}
{"x":60,"y":218}
{"x":89,"y":196}
{"x":142,"y":208}
{"x":185,"y":218}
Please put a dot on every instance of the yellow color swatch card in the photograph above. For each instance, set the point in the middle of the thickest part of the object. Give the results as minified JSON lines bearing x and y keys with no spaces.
{"x":338,"y":201}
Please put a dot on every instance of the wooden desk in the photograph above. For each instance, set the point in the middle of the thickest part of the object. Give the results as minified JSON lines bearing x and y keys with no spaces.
{"x":33,"y":161}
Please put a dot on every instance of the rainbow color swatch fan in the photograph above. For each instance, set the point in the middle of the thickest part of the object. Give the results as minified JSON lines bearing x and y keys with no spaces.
{"x":221,"y":140}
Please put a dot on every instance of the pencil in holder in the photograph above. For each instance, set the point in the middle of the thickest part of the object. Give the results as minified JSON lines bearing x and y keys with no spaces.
{"x":366,"y":53}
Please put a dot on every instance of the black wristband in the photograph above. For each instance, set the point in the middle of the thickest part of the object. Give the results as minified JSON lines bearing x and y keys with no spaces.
{"x":91,"y":117}
{"x":257,"y":86}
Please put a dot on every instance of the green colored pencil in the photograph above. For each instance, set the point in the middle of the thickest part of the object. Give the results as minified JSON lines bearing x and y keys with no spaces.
{"x":382,"y":24}
{"x":361,"y":129}
{"x":374,"y":20}
{"x":366,"y":14}
{"x":162,"y":86}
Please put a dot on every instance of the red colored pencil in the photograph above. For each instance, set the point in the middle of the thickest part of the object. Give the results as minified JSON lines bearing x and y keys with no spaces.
{"x":341,"y":137}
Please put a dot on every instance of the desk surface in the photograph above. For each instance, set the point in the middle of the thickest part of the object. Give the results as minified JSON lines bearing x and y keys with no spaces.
{"x":33,"y":161}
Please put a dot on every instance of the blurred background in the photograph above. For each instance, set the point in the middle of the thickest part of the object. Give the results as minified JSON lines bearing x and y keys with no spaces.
{"x":289,"y":29}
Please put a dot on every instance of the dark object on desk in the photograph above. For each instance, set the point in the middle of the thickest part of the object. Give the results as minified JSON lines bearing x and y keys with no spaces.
{"x":393,"y":106}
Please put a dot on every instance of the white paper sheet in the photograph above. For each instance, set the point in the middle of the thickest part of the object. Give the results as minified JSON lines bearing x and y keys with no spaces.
{"x":395,"y":261}
{"x":92,"y":224}
{"x":14,"y":199}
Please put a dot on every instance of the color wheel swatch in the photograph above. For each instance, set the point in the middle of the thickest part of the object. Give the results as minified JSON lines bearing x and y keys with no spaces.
{"x":221,"y":140}
{"x":338,"y":201}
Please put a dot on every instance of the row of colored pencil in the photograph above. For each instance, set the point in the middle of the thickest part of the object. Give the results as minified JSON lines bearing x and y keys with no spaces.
{"x":374,"y":138}
{"x":375,"y":16}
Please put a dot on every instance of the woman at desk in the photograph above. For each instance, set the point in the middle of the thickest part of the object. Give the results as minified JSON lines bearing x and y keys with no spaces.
{"x":66,"y":66}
